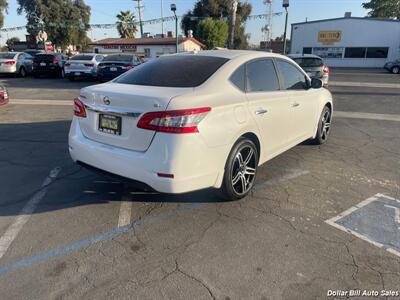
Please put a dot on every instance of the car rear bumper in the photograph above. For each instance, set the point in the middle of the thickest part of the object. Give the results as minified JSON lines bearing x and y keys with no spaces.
{"x":193,"y":170}
{"x":105,"y":76}
{"x":79,"y":73}
{"x":8,"y":69}
{"x":46,"y":71}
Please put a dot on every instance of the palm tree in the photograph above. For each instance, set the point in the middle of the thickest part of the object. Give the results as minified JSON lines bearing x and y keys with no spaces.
{"x":126,"y":24}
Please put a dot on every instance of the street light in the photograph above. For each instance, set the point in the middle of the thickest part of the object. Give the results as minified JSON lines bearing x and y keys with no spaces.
{"x":173,"y":9}
{"x":285,"y":4}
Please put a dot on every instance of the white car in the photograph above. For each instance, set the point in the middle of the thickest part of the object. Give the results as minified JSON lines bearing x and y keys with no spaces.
{"x":191,"y":121}
{"x":83,"y":65}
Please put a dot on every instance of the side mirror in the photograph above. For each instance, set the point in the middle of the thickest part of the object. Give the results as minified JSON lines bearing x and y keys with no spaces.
{"x":316,"y":83}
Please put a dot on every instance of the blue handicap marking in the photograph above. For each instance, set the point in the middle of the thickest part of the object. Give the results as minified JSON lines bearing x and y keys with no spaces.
{"x":376,"y":220}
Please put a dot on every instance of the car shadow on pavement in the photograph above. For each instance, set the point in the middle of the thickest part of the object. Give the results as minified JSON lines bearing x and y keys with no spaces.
{"x":45,"y":82}
{"x":30,"y":151}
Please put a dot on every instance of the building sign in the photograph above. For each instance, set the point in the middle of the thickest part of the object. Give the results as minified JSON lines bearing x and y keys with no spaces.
{"x":128,"y":47}
{"x":110,"y":46}
{"x":329,"y":37}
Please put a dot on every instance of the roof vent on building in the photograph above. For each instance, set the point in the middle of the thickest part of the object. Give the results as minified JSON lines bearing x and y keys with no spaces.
{"x":190,"y":33}
{"x":347,"y":14}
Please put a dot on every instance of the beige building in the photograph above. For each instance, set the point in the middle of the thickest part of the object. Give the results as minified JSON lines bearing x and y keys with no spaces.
{"x":147,"y":47}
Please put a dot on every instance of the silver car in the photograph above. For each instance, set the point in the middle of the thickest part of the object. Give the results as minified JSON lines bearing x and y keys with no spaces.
{"x":83,"y":65}
{"x":313,"y":65}
{"x":18,"y":63}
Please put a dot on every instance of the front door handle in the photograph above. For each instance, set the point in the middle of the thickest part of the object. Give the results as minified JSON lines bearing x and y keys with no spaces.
{"x":261,"y":111}
{"x":295,"y":104}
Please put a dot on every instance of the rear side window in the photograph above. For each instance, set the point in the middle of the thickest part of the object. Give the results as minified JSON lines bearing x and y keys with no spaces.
{"x":238,"y":78}
{"x":82,"y":57}
{"x":7,"y":55}
{"x":174,"y":71}
{"x":261,"y":76}
{"x":293,"y":78}
{"x":309,"y":62}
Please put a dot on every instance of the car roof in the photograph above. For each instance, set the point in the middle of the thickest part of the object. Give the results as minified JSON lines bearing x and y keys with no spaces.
{"x":231,"y":54}
{"x":303,"y":55}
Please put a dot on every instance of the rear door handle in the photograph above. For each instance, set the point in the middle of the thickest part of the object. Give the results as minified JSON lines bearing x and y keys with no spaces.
{"x":261,"y":111}
{"x":295,"y":104}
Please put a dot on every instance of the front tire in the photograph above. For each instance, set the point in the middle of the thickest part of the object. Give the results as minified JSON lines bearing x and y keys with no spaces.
{"x":396,"y":70}
{"x":240,"y":170}
{"x":324,"y":126}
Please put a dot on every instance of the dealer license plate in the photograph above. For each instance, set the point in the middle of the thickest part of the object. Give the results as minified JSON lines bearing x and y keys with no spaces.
{"x":110,"y":124}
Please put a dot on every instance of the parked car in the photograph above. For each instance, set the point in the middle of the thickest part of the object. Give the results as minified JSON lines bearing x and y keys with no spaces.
{"x":49,"y":64}
{"x":116,"y":64}
{"x":313,"y":65}
{"x":17,"y":63}
{"x":4,"y":99}
{"x":33,"y":52}
{"x":83,"y":66}
{"x":185,"y":122}
{"x":393,"y":66}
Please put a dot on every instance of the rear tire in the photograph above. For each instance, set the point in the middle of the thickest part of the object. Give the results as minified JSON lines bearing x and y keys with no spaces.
{"x":240,"y":170}
{"x":62,"y":74}
{"x":71,"y":78}
{"x":395,"y":70}
{"x":22,"y":72}
{"x":324,"y":127}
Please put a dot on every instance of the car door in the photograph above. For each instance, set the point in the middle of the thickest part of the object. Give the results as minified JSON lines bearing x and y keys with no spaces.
{"x":303,"y":102}
{"x":269,"y":105}
{"x":28,"y":62}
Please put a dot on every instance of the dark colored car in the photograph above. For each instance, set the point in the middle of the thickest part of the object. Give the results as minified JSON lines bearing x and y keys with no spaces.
{"x":393,"y":66}
{"x":116,"y":64}
{"x":49,"y":64}
{"x":313,"y":65}
{"x":3,"y":95}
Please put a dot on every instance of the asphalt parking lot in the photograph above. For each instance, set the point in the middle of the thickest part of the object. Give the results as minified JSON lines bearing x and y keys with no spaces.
{"x":68,"y":233}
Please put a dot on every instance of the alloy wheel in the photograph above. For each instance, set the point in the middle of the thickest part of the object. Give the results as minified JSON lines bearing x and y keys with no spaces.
{"x":244,"y":170}
{"x":325,"y":124}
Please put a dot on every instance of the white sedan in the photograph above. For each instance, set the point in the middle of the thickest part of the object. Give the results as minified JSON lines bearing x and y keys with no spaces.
{"x":191,"y":121}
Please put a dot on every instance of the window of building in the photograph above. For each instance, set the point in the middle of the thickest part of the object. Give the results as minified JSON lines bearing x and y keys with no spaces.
{"x":307,"y":50}
{"x":261,"y":76}
{"x":329,"y":52}
{"x":377,"y":52}
{"x":238,"y":78}
{"x":355,"y":52}
{"x":147,"y":52}
{"x":293,"y":78}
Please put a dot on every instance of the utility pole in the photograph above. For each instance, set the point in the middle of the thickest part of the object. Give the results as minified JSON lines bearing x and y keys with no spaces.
{"x":173,"y":9}
{"x":139,"y":8}
{"x":162,"y":18}
{"x":285,"y":5}
{"x":232,"y":22}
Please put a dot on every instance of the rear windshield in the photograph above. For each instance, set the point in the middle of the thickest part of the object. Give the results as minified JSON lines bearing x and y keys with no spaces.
{"x":174,"y":71}
{"x":309,"y":62}
{"x":7,"y":55}
{"x":118,"y":58}
{"x":82,"y":57}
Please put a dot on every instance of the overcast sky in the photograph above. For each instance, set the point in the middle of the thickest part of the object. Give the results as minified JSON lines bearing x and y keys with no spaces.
{"x":104,"y":11}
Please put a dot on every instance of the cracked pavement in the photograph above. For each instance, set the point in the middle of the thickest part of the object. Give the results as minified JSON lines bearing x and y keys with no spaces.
{"x":274,"y":244}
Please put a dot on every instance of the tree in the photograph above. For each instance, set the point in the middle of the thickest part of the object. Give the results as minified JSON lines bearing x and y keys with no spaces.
{"x":218,"y":9}
{"x":126,"y":25}
{"x":65,"y":21}
{"x":3,"y":8}
{"x":11,"y":41}
{"x":213,"y":33}
{"x":383,"y":8}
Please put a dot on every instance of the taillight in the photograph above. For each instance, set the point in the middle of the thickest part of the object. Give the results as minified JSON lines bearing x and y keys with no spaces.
{"x":67,"y":64}
{"x":55,"y":60}
{"x":325,"y":70}
{"x":3,"y":96}
{"x":89,"y":65}
{"x":10,"y":62}
{"x":79,"y":108}
{"x":174,"y":121}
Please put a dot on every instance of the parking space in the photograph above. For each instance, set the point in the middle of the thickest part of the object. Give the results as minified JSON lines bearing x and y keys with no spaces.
{"x":69,"y":233}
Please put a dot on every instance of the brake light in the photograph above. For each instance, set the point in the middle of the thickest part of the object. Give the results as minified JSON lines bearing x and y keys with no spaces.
{"x":67,"y":64}
{"x":174,"y":121}
{"x":10,"y":62}
{"x":89,"y":65}
{"x":55,"y":60}
{"x":325,"y":70}
{"x":79,"y":108}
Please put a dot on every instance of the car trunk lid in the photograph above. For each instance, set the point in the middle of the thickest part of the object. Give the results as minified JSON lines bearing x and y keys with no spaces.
{"x":113,"y":111}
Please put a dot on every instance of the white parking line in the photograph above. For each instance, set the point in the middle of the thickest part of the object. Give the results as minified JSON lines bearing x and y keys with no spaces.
{"x":41,"y":102}
{"x":24,"y":215}
{"x":125,"y":210}
{"x":293,"y":173}
{"x":365,"y":84}
{"x":368,"y":116}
